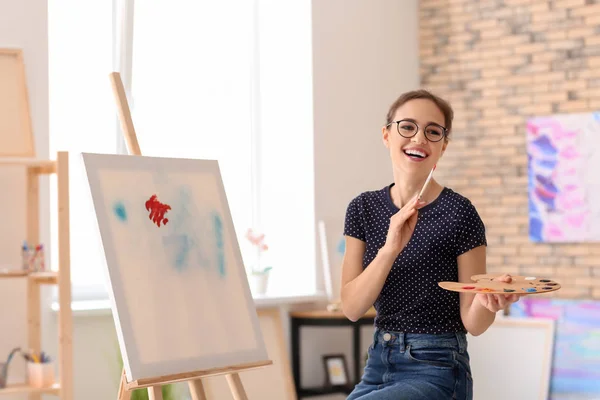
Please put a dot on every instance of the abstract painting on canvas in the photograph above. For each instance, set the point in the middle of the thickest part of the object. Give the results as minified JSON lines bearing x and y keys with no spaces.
{"x":179,"y":292}
{"x":576,"y":365}
{"x":564,"y":190}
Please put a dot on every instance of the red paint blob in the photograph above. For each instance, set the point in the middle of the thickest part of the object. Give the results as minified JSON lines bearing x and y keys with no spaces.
{"x":157,"y":210}
{"x":468,"y":287}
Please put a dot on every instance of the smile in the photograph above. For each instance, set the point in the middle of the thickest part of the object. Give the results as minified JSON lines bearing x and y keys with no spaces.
{"x":416,"y":155}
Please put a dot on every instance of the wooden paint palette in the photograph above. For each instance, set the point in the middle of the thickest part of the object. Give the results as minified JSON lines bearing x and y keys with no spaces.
{"x":520,"y":285}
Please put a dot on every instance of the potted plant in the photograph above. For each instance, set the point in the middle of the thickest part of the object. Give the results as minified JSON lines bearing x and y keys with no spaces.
{"x":259,"y":275}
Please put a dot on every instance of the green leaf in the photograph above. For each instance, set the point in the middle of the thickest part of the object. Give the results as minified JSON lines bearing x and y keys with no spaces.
{"x":169,"y":392}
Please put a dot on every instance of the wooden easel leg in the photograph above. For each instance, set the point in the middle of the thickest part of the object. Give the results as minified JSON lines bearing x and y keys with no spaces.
{"x":197,"y":390}
{"x":237,"y":389}
{"x":155,"y":393}
{"x":124,"y":394}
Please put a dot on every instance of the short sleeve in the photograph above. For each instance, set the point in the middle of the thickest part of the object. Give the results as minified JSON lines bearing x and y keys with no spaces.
{"x":354,"y":222}
{"x":470,"y":230}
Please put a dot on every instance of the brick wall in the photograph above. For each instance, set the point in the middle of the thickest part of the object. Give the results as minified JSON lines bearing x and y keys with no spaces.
{"x":498,"y":63}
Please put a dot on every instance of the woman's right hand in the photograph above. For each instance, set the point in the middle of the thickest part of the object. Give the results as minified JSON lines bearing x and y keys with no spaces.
{"x":402,"y":226}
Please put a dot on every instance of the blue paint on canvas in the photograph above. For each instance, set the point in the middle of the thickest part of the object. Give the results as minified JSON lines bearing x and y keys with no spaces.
{"x":180,"y":235}
{"x":544,"y":144}
{"x":182,"y":244}
{"x":120,"y":211}
{"x":194,"y":238}
{"x":220,"y":245}
{"x":576,"y":358}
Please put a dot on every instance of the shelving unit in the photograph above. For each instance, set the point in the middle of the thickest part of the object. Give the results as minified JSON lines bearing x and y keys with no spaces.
{"x":61,"y":277}
{"x":17,"y":149}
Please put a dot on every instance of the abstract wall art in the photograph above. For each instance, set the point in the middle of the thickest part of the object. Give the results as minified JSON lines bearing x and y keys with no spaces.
{"x":576,"y":358}
{"x":564,"y":189}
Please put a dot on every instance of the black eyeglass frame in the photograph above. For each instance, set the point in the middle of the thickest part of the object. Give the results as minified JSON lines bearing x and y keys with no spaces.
{"x":444,"y":129}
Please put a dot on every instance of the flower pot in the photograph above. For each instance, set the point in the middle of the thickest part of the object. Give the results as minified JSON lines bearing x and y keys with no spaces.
{"x":259,"y":283}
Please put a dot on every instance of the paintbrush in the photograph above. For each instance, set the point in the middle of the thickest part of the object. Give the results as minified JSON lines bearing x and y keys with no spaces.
{"x":426,"y":182}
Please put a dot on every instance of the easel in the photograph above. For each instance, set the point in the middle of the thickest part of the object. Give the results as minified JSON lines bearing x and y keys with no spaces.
{"x":193,"y":378}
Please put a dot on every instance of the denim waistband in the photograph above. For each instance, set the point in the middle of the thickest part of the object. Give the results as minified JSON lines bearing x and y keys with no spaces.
{"x":457,"y":340}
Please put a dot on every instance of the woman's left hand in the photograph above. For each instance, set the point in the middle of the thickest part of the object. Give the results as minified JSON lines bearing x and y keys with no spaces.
{"x":497,"y":302}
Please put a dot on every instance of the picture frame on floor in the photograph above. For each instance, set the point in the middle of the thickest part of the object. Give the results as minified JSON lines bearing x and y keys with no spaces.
{"x":336,"y":371}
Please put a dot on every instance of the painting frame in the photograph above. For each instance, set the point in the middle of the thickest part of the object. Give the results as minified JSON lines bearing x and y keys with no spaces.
{"x":336,"y":371}
{"x":492,"y":345}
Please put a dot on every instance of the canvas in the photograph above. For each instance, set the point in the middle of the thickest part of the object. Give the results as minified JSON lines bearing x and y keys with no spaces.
{"x":16,"y":133}
{"x":564,"y":190}
{"x":175,"y":275}
{"x":332,"y":248}
{"x":576,"y":366}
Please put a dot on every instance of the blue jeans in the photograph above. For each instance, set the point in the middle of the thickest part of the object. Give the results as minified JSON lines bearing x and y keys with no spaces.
{"x":416,"y":366}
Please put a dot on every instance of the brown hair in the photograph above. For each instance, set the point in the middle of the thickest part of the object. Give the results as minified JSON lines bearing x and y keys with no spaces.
{"x":442,"y":104}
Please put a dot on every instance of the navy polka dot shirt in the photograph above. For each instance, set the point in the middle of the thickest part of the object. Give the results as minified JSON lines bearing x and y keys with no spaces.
{"x":411,"y":300}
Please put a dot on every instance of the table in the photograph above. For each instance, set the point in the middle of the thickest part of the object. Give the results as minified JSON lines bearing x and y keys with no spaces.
{"x":326,"y":318}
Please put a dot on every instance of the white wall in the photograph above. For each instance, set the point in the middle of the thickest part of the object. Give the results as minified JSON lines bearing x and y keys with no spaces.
{"x":364,"y":55}
{"x":23,"y":24}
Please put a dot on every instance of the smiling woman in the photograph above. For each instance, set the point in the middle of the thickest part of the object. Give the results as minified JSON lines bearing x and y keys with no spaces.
{"x":401,"y":241}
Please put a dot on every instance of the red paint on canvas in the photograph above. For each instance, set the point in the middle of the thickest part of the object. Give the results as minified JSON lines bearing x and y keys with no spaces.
{"x":157,"y":210}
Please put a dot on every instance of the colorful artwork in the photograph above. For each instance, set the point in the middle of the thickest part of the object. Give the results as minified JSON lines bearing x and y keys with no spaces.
{"x":564,"y":191}
{"x":179,"y":291}
{"x":487,"y":283}
{"x":576,"y":361}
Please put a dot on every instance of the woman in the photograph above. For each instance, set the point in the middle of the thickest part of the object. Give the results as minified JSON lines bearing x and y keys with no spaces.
{"x":397,"y":250}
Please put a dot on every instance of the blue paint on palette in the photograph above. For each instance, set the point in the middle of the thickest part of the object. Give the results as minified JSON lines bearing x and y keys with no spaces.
{"x":120,"y":211}
{"x":220,"y":248}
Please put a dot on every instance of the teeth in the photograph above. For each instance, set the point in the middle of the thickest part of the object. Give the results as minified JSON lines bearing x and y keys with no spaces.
{"x":416,"y":153}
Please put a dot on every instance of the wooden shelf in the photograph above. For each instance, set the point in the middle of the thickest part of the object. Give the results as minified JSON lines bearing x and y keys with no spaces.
{"x":324,"y":314}
{"x":45,"y":278}
{"x":18,"y":153}
{"x":24,"y":388}
{"x":27,"y":162}
{"x":48,"y":278}
{"x":33,"y":164}
{"x":12,"y":273}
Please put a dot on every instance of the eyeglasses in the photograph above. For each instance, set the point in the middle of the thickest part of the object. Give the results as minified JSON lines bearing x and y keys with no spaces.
{"x":408,"y":129}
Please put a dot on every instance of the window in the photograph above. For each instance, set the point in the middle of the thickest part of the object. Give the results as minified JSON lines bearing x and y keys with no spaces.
{"x":224,"y":80}
{"x":82,"y":118}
